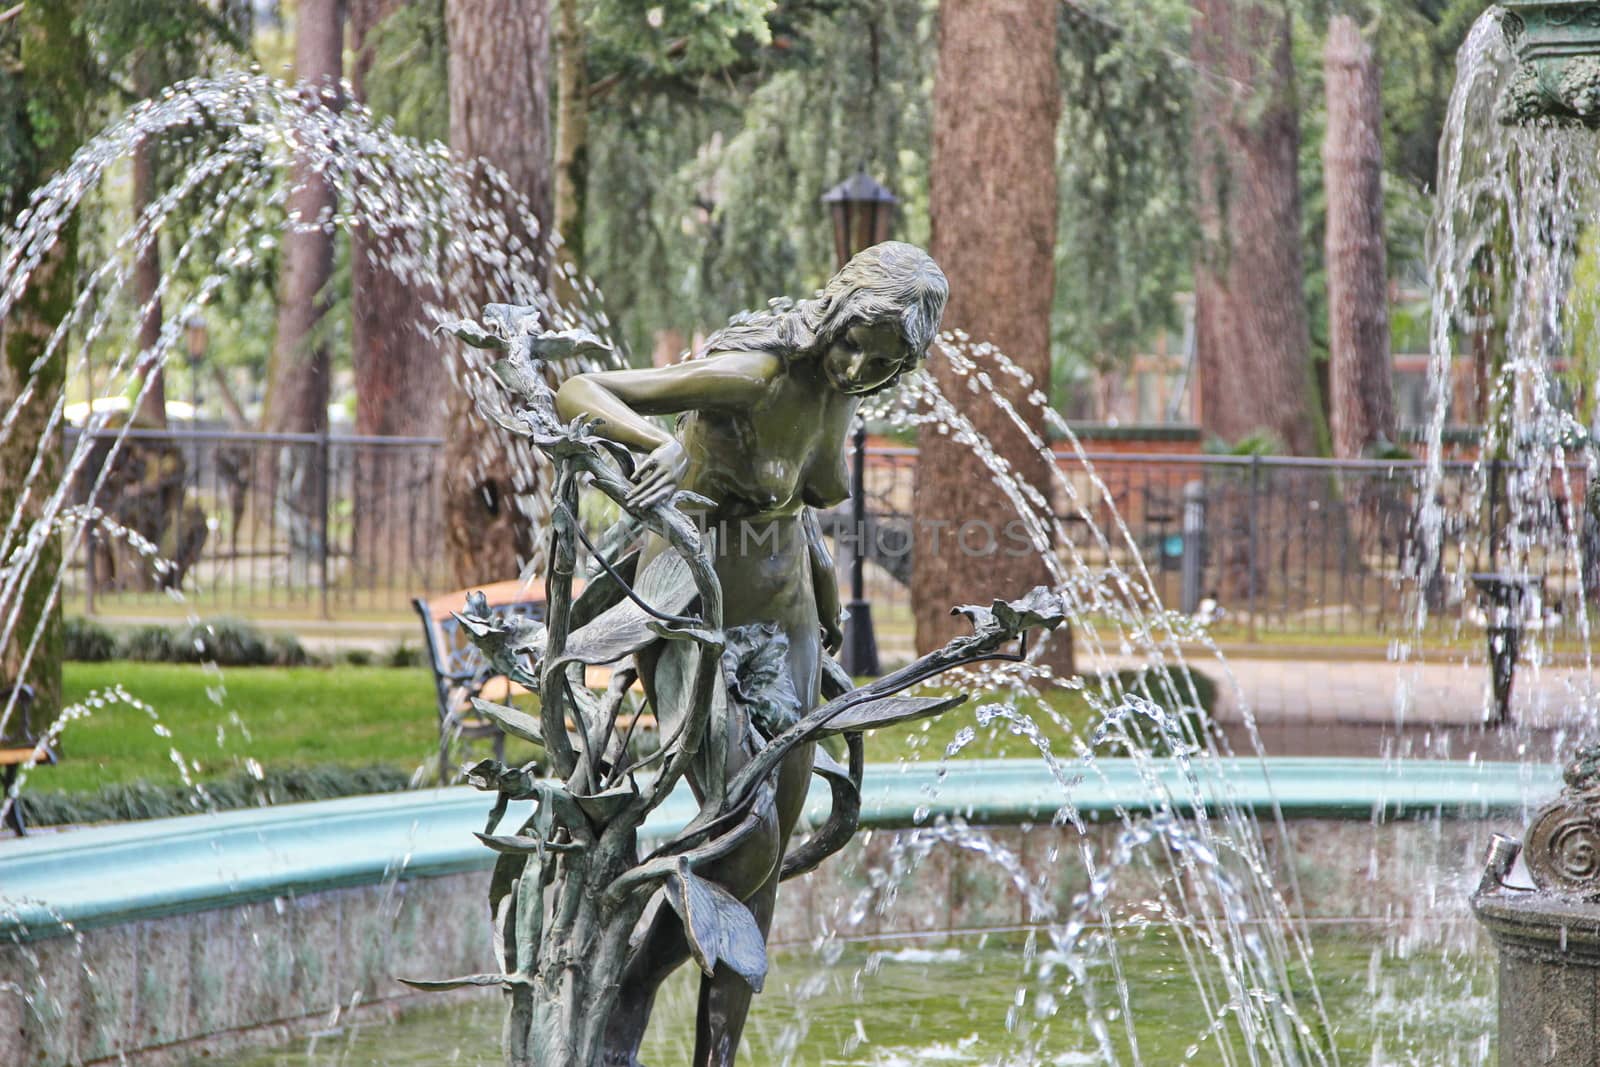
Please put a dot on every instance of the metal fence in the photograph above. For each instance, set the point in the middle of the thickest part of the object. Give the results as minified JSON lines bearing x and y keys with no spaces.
{"x":344,"y":526}
{"x":263,"y":523}
{"x":1276,"y":546}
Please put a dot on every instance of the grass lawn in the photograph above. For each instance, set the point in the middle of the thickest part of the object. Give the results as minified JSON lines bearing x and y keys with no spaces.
{"x":296,"y":717}
{"x":278,"y":716}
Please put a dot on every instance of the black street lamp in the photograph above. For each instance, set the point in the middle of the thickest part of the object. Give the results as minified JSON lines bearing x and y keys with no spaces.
{"x":862,"y":210}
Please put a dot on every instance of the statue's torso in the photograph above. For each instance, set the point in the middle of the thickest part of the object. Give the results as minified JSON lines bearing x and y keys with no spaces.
{"x":762,"y":466}
{"x":770,"y":460}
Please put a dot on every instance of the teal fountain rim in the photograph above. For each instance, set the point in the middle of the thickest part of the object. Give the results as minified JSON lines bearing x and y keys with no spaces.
{"x":103,"y":876}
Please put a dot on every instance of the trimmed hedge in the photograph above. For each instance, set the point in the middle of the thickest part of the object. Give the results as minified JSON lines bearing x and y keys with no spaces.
{"x":87,"y":641}
{"x":1190,"y":720}
{"x":145,"y":800}
{"x":227,"y":642}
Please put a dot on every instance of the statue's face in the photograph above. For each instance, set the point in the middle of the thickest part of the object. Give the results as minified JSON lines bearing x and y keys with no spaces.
{"x":866,"y":357}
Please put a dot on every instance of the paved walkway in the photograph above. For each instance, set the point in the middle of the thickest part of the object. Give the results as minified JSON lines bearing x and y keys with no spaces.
{"x":1393,"y":694}
{"x":1373,"y":708}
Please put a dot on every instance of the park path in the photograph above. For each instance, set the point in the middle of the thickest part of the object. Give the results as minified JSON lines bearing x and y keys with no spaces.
{"x":1379,"y":693}
{"x":1370,"y":707}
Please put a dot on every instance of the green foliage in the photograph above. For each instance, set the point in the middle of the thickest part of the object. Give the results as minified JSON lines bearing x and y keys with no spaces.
{"x":225,"y":642}
{"x":1417,"y":48}
{"x":404,"y":655}
{"x":410,"y":68}
{"x":18,"y":161}
{"x":1126,"y":217}
{"x":87,"y":641}
{"x":1582,"y":322}
{"x":143,"y":45}
{"x":678,"y":36}
{"x":1260,"y":443}
{"x":1141,"y":731}
{"x":703,"y":194}
{"x":1383,"y":448}
{"x":144,"y":799}
{"x":1408,"y":325}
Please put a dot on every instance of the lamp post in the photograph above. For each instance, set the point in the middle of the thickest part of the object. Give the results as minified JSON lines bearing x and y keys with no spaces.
{"x":861,"y":211}
{"x":196,"y":338}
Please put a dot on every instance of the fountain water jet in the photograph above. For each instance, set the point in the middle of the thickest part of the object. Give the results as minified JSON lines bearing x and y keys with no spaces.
{"x":1206,"y":858}
{"x":1519,"y":195}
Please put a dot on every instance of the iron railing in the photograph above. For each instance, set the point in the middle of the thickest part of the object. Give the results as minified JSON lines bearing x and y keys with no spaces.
{"x":1270,"y":546}
{"x":338,"y":525}
{"x":253,"y":522}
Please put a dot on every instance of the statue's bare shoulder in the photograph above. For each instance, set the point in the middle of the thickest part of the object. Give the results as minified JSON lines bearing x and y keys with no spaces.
{"x":720,"y":381}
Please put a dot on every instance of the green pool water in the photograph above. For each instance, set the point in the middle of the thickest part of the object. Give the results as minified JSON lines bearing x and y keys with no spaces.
{"x":948,"y":1001}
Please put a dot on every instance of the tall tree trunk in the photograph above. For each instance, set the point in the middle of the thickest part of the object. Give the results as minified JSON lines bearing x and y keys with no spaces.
{"x":1362,"y":408}
{"x":298,"y":379}
{"x":55,"y":64}
{"x":400,"y":376}
{"x":399,"y":371}
{"x":572,"y":131}
{"x":992,"y":200}
{"x":1251,"y":337}
{"x":500,"y":114}
{"x":297,"y":383}
{"x":147,"y":267}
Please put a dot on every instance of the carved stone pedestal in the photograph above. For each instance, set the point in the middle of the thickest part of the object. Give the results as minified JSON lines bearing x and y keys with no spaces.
{"x":1549,"y":977}
{"x":1548,"y":935}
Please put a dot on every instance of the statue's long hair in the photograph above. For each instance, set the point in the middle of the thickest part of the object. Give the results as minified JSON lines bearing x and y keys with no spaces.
{"x":892,"y":281}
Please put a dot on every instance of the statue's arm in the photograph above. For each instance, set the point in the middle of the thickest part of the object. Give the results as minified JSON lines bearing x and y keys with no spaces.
{"x":824,"y":583}
{"x":621,"y":401}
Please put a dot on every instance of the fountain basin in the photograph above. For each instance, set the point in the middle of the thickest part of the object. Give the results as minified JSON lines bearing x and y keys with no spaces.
{"x":169,"y":938}
{"x":943,"y":1000}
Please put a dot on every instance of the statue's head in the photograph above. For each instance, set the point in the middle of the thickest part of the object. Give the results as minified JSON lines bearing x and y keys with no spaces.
{"x":890,"y":282}
{"x":872,"y":322}
{"x":875,"y":319}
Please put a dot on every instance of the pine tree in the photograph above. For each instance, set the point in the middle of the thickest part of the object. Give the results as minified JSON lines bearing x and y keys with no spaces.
{"x":992,"y":199}
{"x":1361,"y":407}
{"x":499,"y":113}
{"x":1251,"y":334}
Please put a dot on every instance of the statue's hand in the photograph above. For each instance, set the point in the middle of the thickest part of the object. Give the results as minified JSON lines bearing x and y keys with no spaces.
{"x":832,"y":636}
{"x":658,"y":475}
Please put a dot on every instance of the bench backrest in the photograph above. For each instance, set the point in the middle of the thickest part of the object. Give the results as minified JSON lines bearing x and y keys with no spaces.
{"x":18,"y":729}
{"x":452,"y":654}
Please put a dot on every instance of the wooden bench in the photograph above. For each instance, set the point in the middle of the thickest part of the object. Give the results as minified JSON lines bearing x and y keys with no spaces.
{"x":17,"y":751}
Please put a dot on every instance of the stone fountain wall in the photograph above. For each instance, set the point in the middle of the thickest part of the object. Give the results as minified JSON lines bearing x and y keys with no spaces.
{"x":168,"y":989}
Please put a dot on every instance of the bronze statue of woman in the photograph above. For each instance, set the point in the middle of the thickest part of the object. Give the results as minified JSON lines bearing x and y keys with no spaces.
{"x":763,"y":419}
